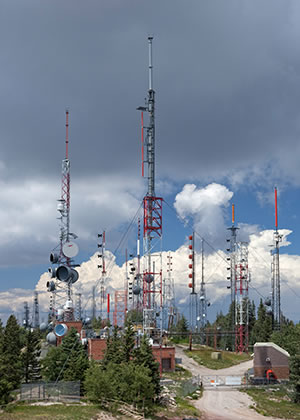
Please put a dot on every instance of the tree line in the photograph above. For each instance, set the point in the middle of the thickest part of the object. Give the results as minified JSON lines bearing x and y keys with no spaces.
{"x":128,"y":373}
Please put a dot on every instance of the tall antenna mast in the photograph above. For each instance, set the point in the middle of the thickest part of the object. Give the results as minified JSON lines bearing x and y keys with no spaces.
{"x":65,"y":274}
{"x":202,"y":298}
{"x":152,"y":277}
{"x":276,"y":308}
{"x":232,"y":249}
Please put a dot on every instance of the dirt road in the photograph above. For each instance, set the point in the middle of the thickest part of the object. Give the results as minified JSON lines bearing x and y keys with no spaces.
{"x":222,"y":403}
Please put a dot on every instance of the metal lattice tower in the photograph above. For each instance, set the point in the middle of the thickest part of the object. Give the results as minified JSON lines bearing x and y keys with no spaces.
{"x":36,"y":311}
{"x":26,"y":323}
{"x":192,"y":285}
{"x":65,"y":275}
{"x":120,"y":307}
{"x":202,"y":296}
{"x":169,"y":310}
{"x":94,"y":302}
{"x":276,"y":309}
{"x":78,"y":307}
{"x":137,"y":284}
{"x":101,"y":266}
{"x":152,"y":272}
{"x":241,"y":299}
{"x":232,"y":250}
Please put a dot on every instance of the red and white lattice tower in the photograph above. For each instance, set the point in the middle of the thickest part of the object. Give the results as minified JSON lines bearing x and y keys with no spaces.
{"x":241,"y":299}
{"x":152,"y":271}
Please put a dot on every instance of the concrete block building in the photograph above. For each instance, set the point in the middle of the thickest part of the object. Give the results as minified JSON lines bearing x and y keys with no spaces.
{"x":270,"y":361}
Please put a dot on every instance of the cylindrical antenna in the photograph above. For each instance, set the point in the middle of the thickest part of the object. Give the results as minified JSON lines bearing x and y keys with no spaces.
{"x":142,"y":134}
{"x":150,"y":63}
{"x":108,"y":305}
{"x":276,"y":212}
{"x":232,"y":214}
{"x":67,"y":133}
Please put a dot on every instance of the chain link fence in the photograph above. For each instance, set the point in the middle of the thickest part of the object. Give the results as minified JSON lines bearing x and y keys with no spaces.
{"x":51,"y":391}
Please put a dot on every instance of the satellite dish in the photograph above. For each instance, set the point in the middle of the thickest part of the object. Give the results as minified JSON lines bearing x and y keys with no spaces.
{"x":51,"y":338}
{"x":63,"y":273}
{"x":70,"y":249}
{"x":74,"y":275}
{"x":60,"y":330}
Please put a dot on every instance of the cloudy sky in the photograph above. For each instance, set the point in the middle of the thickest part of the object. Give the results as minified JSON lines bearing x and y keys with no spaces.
{"x":227,"y":81}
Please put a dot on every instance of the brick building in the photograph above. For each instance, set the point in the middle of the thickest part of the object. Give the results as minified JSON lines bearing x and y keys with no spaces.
{"x":96,"y":347}
{"x":270,"y":359}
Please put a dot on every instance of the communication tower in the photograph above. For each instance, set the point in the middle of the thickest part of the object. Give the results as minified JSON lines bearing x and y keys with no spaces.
{"x":203,"y":303}
{"x":276,"y":309}
{"x":26,"y":323}
{"x":169,"y":310}
{"x":36,"y":311}
{"x":192,"y":285}
{"x":101,"y":266}
{"x":94,"y":302}
{"x":78,"y":307}
{"x":232,"y":249}
{"x":241,"y":298}
{"x":152,"y":271}
{"x":64,"y":275}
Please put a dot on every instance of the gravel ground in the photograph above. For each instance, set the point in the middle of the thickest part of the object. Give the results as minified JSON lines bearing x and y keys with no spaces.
{"x":222,"y":403}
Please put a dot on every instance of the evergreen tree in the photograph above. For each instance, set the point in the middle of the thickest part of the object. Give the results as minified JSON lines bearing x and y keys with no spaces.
{"x":262,"y":329}
{"x":113,"y":351}
{"x":12,"y":369}
{"x":30,"y":357}
{"x":288,"y":337}
{"x":128,"y":341}
{"x":144,"y":357}
{"x":52,"y":364}
{"x":182,"y":327}
{"x":295,"y":377}
{"x":67,"y":362}
{"x":74,"y":357}
{"x":1,"y":337}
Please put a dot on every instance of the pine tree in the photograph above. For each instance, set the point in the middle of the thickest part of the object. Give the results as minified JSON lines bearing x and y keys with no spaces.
{"x":262,"y":329}
{"x":52,"y":364}
{"x":113,"y":351}
{"x":12,"y":369}
{"x":128,"y":341}
{"x":67,"y":362}
{"x":30,"y":357}
{"x":74,"y":357}
{"x":295,"y":377}
{"x":182,"y":327}
{"x":144,"y":357}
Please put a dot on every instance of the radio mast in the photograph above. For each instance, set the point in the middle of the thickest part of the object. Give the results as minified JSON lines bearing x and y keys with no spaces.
{"x":152,"y":273}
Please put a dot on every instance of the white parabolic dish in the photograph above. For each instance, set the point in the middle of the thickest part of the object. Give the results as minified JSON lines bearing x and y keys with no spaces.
{"x":70,"y":249}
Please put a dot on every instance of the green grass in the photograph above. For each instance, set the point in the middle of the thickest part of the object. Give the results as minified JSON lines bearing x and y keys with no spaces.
{"x":60,"y":411}
{"x":203,"y":357}
{"x":184,"y":409}
{"x":274,"y":402}
{"x":179,"y":374}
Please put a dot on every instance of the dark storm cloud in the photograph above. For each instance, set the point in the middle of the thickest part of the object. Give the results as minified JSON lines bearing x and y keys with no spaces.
{"x":226,"y":75}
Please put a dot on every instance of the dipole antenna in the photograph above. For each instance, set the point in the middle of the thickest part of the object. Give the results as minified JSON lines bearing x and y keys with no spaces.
{"x":276,"y":306}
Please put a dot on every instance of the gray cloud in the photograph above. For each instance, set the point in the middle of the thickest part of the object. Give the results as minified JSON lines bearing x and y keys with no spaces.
{"x":226,"y":76}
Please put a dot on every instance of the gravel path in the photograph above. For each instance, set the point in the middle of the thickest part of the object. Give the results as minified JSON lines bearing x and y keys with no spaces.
{"x":222,"y":403}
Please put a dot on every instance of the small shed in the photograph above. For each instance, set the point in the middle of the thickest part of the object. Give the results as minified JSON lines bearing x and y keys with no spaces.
{"x":270,"y":361}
